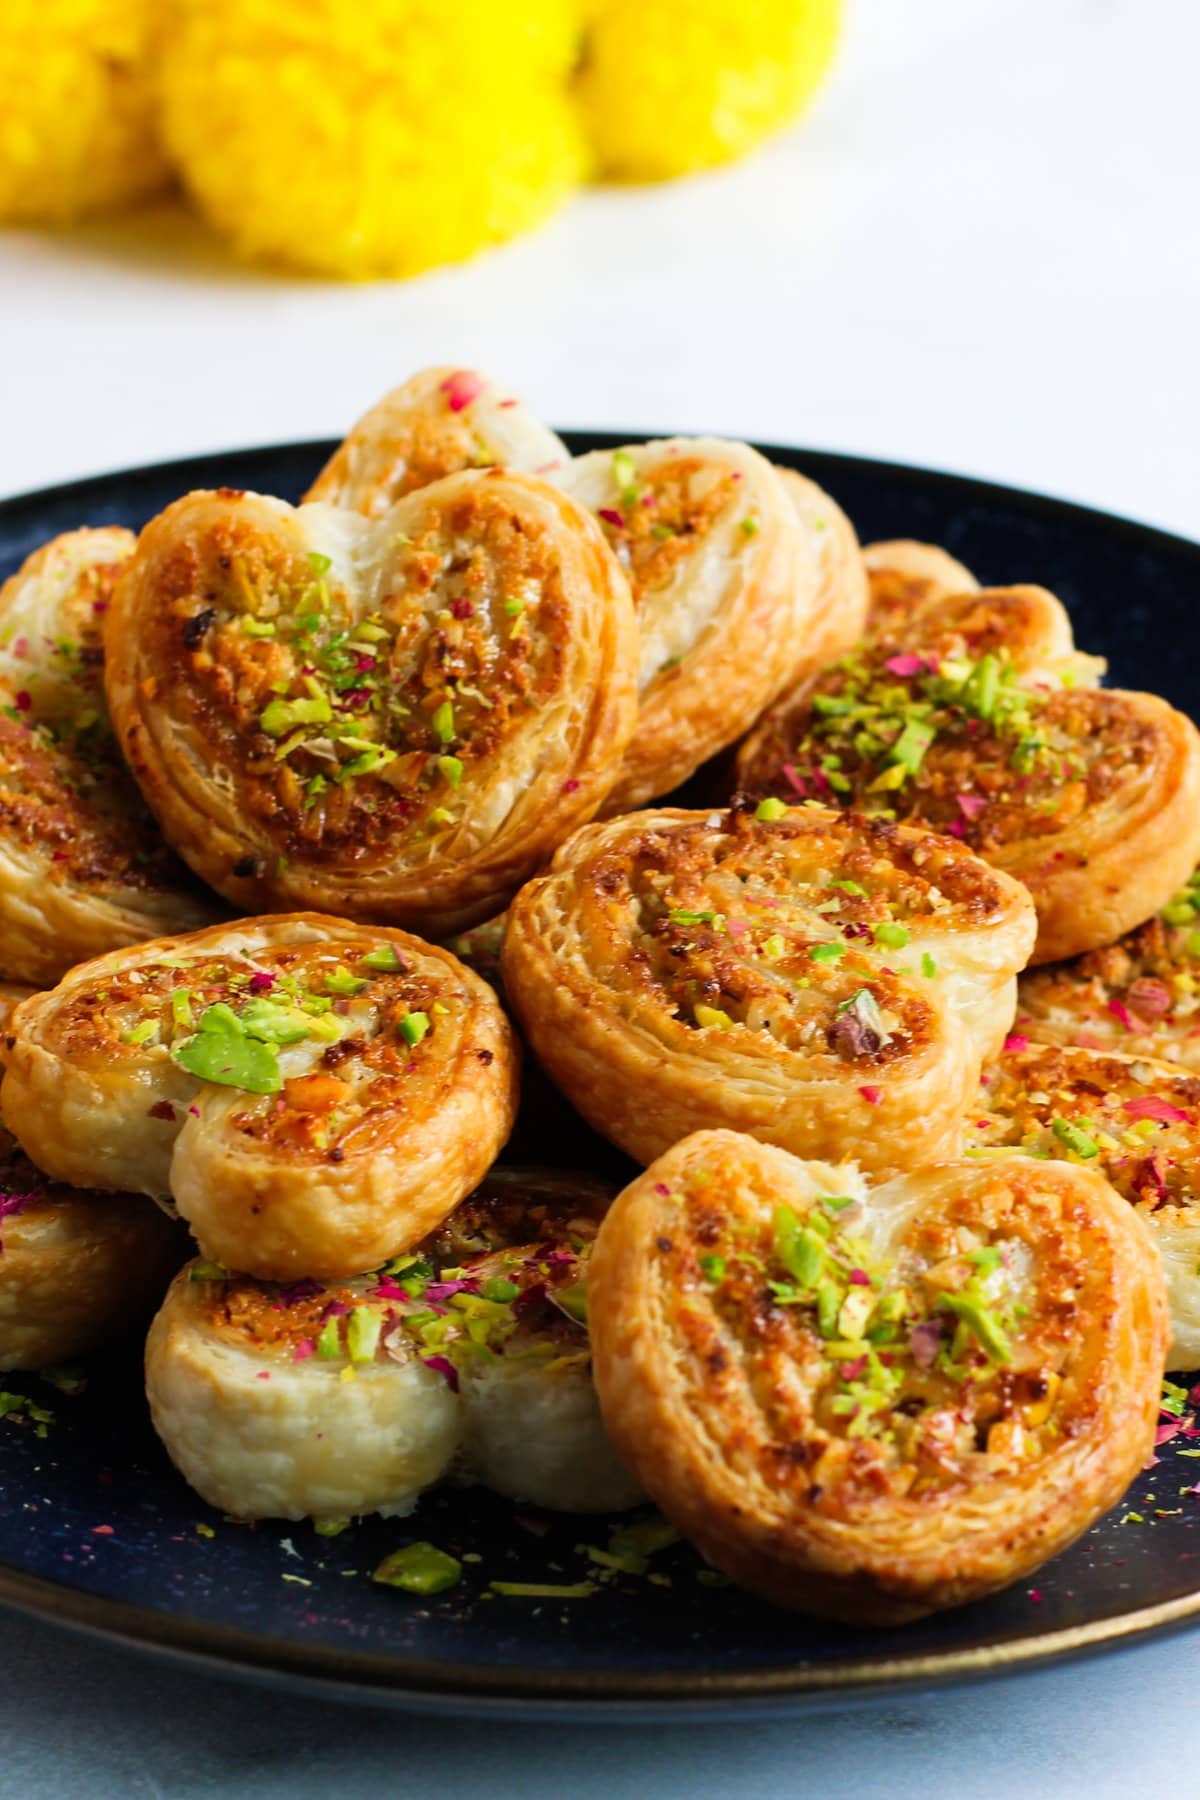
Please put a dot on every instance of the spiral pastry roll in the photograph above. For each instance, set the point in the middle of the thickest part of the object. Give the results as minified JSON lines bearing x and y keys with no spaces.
{"x":1135,"y":1120}
{"x":511,"y":1334}
{"x":393,"y":720}
{"x":905,"y":577}
{"x":83,"y":867}
{"x":725,"y":583}
{"x":299,"y":1401}
{"x":843,"y":591}
{"x":870,"y":1404}
{"x":980,"y":728}
{"x":314,"y":1096}
{"x":824,"y":982}
{"x":77,"y":1268}
{"x":1140,"y":996}
{"x":438,"y":423}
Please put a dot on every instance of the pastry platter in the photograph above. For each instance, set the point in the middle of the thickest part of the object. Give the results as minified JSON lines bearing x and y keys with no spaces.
{"x":551,"y":1613}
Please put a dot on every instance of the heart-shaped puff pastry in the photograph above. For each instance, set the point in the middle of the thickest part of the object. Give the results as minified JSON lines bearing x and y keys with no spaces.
{"x":440,"y":421}
{"x":314,"y":1095}
{"x":83,"y":867}
{"x":394,"y":719}
{"x":725,"y":580}
{"x":870,"y":1404}
{"x":972,"y":718}
{"x":470,"y":1353}
{"x":1135,"y":1120}
{"x":1140,"y":995}
{"x":827,"y":983}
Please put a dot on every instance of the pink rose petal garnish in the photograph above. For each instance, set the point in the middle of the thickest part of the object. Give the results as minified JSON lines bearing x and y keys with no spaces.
{"x":1016,"y":1040}
{"x":461,"y":388}
{"x":1121,"y":1012}
{"x":872,"y":1095}
{"x":610,"y":517}
{"x":1149,"y":1106}
{"x":971,"y":805}
{"x":906,"y":664}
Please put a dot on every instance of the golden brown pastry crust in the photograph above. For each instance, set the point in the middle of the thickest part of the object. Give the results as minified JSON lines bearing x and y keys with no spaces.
{"x":395,"y":720}
{"x":440,"y":421}
{"x":828,"y":984}
{"x":803,"y":1465}
{"x":77,"y":1268}
{"x":314,"y":1095}
{"x":725,"y":583}
{"x":83,"y":867}
{"x":1139,"y":995}
{"x":843,"y":593}
{"x":1090,"y":798}
{"x":1136,"y":1121}
{"x":904,"y":576}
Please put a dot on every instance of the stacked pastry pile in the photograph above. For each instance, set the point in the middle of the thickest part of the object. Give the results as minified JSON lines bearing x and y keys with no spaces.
{"x":882,"y":1324}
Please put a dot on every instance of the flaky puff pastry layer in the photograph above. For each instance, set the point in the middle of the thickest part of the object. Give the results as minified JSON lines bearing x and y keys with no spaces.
{"x":77,"y":1268}
{"x":532,"y":1431}
{"x":829,"y":984}
{"x":440,"y":421}
{"x":904,"y":575}
{"x":725,"y":582}
{"x":468,"y":1356}
{"x":869,"y":1404}
{"x":1139,"y":995}
{"x":394,"y":719}
{"x":976,"y":720}
{"x":314,"y":1095}
{"x":843,"y":592}
{"x":83,"y":867}
{"x":1136,"y":1121}
{"x":264,"y":1427}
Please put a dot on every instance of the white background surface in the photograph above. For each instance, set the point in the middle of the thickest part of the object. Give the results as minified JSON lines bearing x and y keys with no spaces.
{"x":980,"y":252}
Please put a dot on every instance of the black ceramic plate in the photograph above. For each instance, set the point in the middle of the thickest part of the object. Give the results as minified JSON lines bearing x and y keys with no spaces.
{"x":97,"y":1531}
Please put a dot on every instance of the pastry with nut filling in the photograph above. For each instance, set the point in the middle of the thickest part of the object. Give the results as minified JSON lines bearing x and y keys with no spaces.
{"x":828,"y":983}
{"x":313,"y":1095}
{"x":83,"y":866}
{"x":439,"y":422}
{"x":395,"y":719}
{"x":869,"y":1403}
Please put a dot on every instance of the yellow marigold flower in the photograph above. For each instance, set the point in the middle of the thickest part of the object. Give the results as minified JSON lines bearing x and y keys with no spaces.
{"x":668,"y":86}
{"x":77,"y":131}
{"x":371,"y":137}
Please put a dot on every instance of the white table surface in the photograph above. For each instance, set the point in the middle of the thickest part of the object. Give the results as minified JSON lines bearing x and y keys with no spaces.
{"x":978,"y":253}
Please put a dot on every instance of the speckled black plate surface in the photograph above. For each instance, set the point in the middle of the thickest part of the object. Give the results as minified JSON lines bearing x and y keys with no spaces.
{"x":96,"y":1530}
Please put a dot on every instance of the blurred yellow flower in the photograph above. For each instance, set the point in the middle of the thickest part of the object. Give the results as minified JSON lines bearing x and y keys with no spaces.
{"x":371,"y":137}
{"x":668,"y":86}
{"x":76,"y":125}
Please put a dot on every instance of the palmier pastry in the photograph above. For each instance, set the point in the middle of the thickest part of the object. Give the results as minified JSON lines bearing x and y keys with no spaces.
{"x":511,"y":1268}
{"x":1140,"y":995}
{"x":439,"y":422}
{"x":83,"y":867}
{"x":827,"y":983}
{"x":77,"y":1268}
{"x":1135,"y":1120}
{"x":1090,"y":798}
{"x":725,"y":582}
{"x":393,"y":720}
{"x":315,"y":1096}
{"x":843,"y":592}
{"x":468,"y":1355}
{"x":904,"y":577}
{"x":872,"y":1404}
{"x":296,"y":1402}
